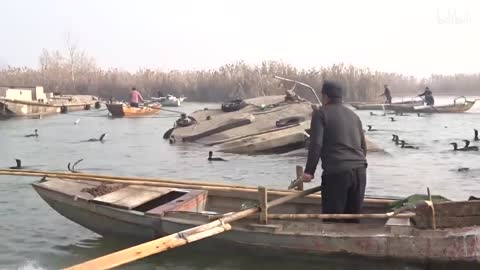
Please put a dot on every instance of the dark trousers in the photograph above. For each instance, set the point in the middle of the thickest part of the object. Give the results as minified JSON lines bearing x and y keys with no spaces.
{"x":343,"y":193}
{"x":132,"y":104}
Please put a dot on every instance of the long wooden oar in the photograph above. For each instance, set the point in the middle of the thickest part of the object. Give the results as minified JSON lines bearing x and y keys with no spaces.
{"x":211,"y":186}
{"x":178,"y":239}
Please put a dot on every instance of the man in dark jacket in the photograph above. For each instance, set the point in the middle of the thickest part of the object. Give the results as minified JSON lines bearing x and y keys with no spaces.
{"x":337,"y":139}
{"x":428,"y":96}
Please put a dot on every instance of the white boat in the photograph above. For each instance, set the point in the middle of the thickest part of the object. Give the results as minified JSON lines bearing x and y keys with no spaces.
{"x":170,"y":100}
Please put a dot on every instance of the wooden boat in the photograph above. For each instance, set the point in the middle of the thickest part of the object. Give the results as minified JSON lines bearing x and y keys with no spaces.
{"x":386,"y":107}
{"x":33,"y":102}
{"x":447,"y":231}
{"x":451,"y":108}
{"x":123,"y":110}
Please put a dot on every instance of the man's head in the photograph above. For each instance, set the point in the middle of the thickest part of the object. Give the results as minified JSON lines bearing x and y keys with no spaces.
{"x":331,"y":93}
{"x":426,"y":88}
{"x":133,"y":88}
{"x":385,"y":86}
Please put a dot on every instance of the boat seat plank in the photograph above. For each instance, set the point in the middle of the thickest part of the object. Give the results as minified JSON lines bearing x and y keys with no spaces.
{"x":130,"y":197}
{"x":193,"y":201}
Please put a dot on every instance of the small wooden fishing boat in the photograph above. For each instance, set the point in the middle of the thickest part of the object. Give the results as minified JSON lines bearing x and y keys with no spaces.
{"x":379,"y":106}
{"x":123,"y":110}
{"x":459,"y":105}
{"x":444,"y":231}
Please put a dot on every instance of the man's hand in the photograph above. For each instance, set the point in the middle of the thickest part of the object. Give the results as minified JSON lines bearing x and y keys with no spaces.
{"x":307,"y":177}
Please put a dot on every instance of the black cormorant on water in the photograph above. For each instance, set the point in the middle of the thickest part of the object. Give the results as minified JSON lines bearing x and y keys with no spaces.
{"x":33,"y":135}
{"x":404,"y":145}
{"x":19,"y":164}
{"x":101,"y":139}
{"x":392,"y":119}
{"x":455,"y":147}
{"x":468,"y":147}
{"x":370,"y":128}
{"x":475,"y":132}
{"x":210,"y":158}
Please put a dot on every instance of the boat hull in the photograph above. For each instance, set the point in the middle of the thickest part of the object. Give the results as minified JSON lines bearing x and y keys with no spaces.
{"x":389,"y":107}
{"x":122,"y":110}
{"x":370,"y":240}
{"x":29,"y":108}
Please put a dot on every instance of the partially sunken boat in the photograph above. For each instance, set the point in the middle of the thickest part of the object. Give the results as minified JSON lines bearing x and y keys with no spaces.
{"x":32,"y":101}
{"x":123,"y":110}
{"x":262,"y":125}
{"x":456,"y":107}
{"x":440,"y":231}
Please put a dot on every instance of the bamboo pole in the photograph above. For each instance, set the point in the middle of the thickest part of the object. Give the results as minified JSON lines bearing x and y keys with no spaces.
{"x":178,"y":239}
{"x":157,"y":182}
{"x":340,"y":216}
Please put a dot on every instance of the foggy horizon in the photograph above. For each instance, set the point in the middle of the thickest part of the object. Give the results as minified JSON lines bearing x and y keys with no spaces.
{"x":418,"y":39}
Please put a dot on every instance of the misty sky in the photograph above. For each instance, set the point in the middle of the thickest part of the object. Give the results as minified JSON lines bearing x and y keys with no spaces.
{"x":410,"y":37}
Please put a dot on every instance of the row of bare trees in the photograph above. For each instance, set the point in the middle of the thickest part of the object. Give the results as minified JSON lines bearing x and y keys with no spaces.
{"x":77,"y":73}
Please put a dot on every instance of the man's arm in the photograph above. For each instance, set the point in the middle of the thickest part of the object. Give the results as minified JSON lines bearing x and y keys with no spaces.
{"x":140,"y":97}
{"x":422,"y":94}
{"x":363,"y":141}
{"x":316,"y":142}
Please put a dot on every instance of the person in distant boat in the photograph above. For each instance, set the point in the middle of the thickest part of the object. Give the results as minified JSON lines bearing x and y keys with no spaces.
{"x":135,"y":97}
{"x":428,"y":96}
{"x":160,"y":94}
{"x":337,"y":139}
{"x":387,"y":94}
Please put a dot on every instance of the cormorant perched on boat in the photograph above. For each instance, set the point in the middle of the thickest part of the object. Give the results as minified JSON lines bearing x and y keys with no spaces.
{"x":33,"y":135}
{"x":172,"y":139}
{"x":392,"y":119}
{"x":420,"y":115}
{"x":210,"y":158}
{"x":455,"y":147}
{"x":396,"y":139}
{"x":370,"y":128}
{"x":404,"y":145}
{"x":19,"y":164}
{"x":99,"y":139}
{"x":475,"y":132}
{"x":468,"y":147}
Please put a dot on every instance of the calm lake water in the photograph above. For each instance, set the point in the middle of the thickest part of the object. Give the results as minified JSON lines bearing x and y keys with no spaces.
{"x":34,"y":236}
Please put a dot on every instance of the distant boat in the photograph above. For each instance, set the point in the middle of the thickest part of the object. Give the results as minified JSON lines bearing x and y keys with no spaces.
{"x":170,"y":100}
{"x":123,"y":110}
{"x":381,"y":106}
{"x":33,"y":101}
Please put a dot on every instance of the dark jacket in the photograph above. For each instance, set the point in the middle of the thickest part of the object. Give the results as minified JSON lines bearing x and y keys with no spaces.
{"x":337,"y":138}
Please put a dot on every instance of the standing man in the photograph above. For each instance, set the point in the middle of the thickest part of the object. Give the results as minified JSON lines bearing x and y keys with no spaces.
{"x":135,"y":97}
{"x":428,"y":96}
{"x":337,"y":139}
{"x":387,"y":94}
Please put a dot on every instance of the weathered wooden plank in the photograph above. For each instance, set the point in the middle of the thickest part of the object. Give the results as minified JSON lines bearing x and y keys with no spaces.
{"x":458,"y":209}
{"x":262,"y":193}
{"x":128,"y":197}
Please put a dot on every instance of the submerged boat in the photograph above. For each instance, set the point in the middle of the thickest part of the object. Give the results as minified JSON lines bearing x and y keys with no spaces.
{"x":262,"y":125}
{"x":442,"y":231}
{"x":386,"y":107}
{"x":170,"y":100}
{"x":123,"y":110}
{"x":33,"y":101}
